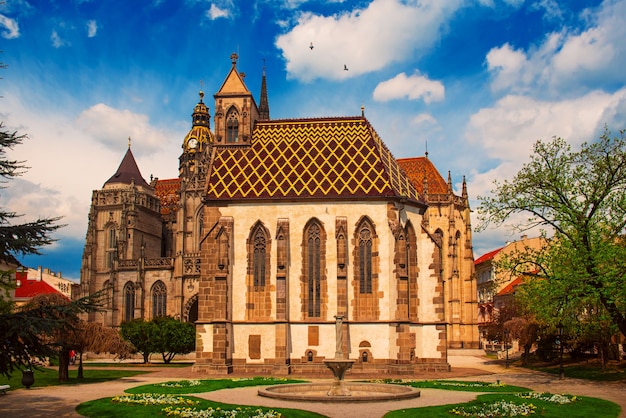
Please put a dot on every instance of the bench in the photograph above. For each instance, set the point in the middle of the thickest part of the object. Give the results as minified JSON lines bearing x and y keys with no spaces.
{"x":4,"y":388}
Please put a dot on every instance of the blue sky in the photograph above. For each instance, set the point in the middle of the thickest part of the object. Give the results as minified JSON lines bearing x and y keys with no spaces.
{"x":476,"y":82}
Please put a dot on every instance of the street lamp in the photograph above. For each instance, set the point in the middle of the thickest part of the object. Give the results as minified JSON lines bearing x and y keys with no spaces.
{"x":506,"y":347}
{"x":560,"y":343}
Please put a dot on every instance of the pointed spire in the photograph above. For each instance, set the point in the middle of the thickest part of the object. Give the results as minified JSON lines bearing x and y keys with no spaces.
{"x":464,"y":193}
{"x":128,"y":172}
{"x":449,"y":182}
{"x":264,"y":107}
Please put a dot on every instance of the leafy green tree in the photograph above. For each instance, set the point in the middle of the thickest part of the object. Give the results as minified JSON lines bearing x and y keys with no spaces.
{"x":579,"y":196}
{"x":164,"y":335}
{"x":140,"y":333}
{"x":173,"y":337}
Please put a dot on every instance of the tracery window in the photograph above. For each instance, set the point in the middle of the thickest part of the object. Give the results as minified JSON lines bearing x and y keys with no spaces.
{"x":111,"y":248}
{"x":258,"y":261}
{"x":232,"y":126}
{"x":365,"y":258}
{"x":313,"y":270}
{"x":159,"y":299}
{"x":129,"y":301}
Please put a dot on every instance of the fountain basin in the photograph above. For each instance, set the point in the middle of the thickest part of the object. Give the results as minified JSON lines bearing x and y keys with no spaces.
{"x":359,"y":392}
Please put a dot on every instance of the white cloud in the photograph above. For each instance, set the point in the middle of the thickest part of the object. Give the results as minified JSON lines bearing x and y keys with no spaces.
{"x":364,"y":39}
{"x":109,"y":126}
{"x":571,"y":60}
{"x":507,"y":130}
{"x":216,"y":12}
{"x":551,"y":8}
{"x":10,"y":26}
{"x":414,"y":87}
{"x":424,"y":119}
{"x":92,"y":28}
{"x":56,"y":40}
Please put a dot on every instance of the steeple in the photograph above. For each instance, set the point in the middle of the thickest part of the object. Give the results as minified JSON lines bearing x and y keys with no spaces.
{"x":200,"y":115}
{"x":127,"y":172}
{"x":199,"y":136}
{"x":264,"y":107}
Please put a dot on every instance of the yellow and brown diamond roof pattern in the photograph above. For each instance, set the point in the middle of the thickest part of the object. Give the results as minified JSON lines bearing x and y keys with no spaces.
{"x":308,"y":158}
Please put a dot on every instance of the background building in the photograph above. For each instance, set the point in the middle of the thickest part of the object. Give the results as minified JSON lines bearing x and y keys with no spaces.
{"x":496,"y":288}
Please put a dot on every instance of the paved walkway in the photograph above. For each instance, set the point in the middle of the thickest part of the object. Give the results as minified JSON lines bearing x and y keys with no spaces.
{"x":60,"y":401}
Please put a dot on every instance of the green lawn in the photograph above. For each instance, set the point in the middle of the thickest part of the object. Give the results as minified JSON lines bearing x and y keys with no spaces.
{"x":106,"y":407}
{"x":581,"y":407}
{"x":200,"y":386}
{"x":457,"y":385}
{"x":50,"y":377}
{"x":611,"y":373}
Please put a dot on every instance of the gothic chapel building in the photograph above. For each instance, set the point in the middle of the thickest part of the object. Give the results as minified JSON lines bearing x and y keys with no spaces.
{"x":273,"y":229}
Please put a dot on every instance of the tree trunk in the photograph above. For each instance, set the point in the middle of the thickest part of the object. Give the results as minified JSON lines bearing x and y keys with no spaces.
{"x":64,"y":364}
{"x":146,"y":357}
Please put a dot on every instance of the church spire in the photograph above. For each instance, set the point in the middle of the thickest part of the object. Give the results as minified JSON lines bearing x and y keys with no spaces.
{"x":264,"y":107}
{"x":128,"y":171}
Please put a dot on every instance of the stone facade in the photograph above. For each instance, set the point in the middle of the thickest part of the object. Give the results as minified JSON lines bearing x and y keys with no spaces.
{"x":276,"y":227}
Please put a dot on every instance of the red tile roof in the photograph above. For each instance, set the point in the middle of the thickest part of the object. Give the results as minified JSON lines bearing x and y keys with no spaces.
{"x":168,"y":193}
{"x":488,"y":256}
{"x":510,"y":288}
{"x":419,"y":168}
{"x":29,"y":288}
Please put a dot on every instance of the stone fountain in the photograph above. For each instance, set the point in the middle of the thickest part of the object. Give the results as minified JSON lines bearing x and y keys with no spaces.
{"x":339,"y":391}
{"x":339,"y":365}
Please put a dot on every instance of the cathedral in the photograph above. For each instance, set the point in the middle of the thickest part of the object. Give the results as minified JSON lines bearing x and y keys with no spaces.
{"x":281,"y":237}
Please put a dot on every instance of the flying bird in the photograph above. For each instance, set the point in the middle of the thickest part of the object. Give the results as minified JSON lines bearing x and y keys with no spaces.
{"x":345,"y":67}
{"x":311,"y":46}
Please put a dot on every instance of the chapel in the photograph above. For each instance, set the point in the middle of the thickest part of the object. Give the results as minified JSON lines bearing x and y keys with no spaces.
{"x":277,"y":231}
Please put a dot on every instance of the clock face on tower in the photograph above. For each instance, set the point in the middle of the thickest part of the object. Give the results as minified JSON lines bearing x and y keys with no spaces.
{"x":192,"y":143}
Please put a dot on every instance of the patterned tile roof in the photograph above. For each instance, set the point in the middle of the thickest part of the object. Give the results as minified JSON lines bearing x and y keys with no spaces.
{"x":419,"y":168}
{"x":309,"y":158}
{"x":168,"y":193}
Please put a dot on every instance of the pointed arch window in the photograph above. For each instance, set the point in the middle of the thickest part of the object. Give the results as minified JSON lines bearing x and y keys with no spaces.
{"x":200,"y":228}
{"x":129,"y":301}
{"x":365,"y":258}
{"x":258,"y":261}
{"x":232,"y":126}
{"x":439,"y":252}
{"x":456,"y":253}
{"x":111,"y":247}
{"x":159,"y":299}
{"x":313,"y":254}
